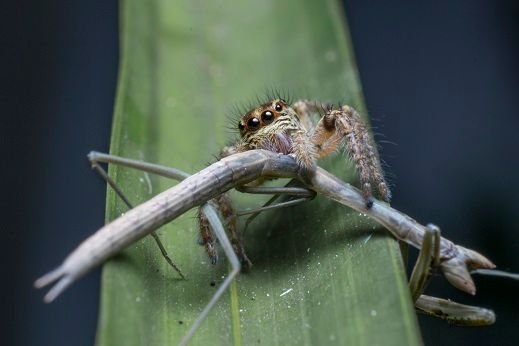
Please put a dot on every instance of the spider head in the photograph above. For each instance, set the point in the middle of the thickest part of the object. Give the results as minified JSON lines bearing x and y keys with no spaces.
{"x":262,"y":116}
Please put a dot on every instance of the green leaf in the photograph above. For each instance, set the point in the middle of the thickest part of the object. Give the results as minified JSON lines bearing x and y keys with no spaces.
{"x":323,"y":274}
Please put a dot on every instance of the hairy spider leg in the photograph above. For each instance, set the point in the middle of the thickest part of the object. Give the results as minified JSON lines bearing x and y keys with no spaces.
{"x":207,"y":238}
{"x":346,"y":126}
{"x":235,"y":236}
{"x":310,"y":112}
{"x":223,"y":204}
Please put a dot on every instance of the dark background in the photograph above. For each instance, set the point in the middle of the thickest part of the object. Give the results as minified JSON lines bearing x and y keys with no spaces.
{"x":441,"y":84}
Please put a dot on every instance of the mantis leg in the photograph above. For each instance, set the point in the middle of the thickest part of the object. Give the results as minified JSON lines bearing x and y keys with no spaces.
{"x":452,"y":312}
{"x":455,"y":313}
{"x":428,"y":259}
{"x":96,"y":158}
{"x":223,"y":204}
{"x":221,"y":235}
{"x":290,"y":189}
{"x":207,"y":209}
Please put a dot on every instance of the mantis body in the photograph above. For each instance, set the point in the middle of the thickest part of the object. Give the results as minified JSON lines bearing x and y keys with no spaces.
{"x":236,"y":170}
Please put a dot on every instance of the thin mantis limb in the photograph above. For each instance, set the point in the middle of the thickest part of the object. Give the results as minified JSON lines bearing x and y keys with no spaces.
{"x":96,"y":157}
{"x":168,"y":172}
{"x":460,"y":314}
{"x":428,"y":258}
{"x":270,"y":207}
{"x":219,"y":231}
{"x":288,"y":190}
{"x":236,"y":237}
{"x":455,"y":260}
{"x":126,"y":201}
{"x":452,"y":312}
{"x":197,"y":189}
{"x":455,"y":313}
{"x":298,"y":191}
{"x":452,"y":259}
{"x":164,"y":171}
{"x":253,"y":216}
{"x":498,"y":273}
{"x":302,"y":192}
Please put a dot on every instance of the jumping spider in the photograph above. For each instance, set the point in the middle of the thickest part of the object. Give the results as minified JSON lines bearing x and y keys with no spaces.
{"x":293,"y":130}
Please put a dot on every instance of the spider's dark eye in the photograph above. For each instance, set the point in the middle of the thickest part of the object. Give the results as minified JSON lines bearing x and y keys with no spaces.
{"x":267,"y":116}
{"x":241,"y":127}
{"x":279,"y":107}
{"x":253,"y":123}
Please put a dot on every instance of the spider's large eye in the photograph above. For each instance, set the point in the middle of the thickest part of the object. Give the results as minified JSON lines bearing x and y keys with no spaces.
{"x":279,"y":107}
{"x":267,"y":116}
{"x":253,"y":123}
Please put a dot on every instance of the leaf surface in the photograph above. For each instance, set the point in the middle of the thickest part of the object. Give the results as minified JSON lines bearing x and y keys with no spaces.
{"x":323,"y":274}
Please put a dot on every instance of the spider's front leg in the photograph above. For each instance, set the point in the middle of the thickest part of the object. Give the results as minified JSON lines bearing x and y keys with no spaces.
{"x":222,"y":203}
{"x":345,"y":125}
{"x":224,"y":207}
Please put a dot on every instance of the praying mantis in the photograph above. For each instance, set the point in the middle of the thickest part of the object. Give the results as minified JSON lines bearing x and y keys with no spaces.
{"x":238,"y":169}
